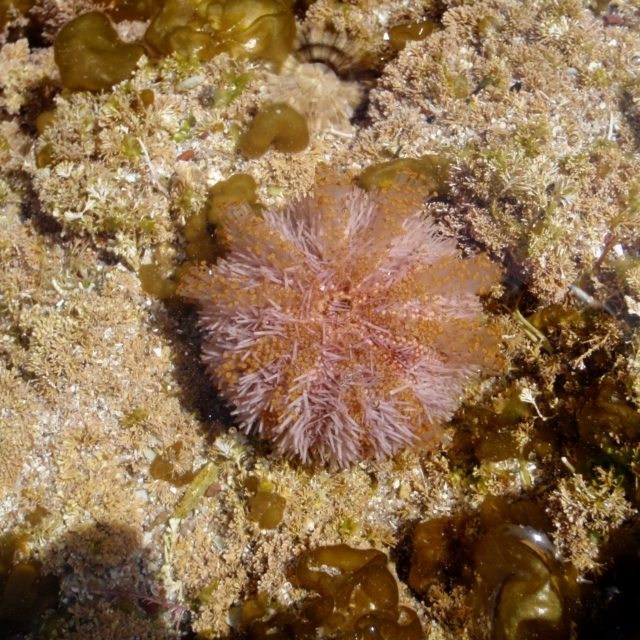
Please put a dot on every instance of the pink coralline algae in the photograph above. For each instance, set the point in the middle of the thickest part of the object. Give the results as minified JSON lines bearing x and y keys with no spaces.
{"x":345,"y":326}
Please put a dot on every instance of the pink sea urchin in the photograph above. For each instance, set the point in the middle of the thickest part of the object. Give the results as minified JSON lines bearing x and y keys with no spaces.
{"x":345,"y":326}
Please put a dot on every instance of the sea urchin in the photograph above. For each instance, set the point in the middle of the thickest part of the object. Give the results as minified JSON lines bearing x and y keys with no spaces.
{"x":345,"y":326}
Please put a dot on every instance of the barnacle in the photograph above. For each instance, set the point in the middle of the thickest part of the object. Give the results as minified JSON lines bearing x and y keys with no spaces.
{"x":314,"y":88}
{"x":278,"y":125}
{"x":91,"y":56}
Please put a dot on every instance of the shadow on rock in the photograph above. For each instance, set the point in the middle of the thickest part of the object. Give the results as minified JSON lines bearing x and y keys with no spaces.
{"x":96,"y":582}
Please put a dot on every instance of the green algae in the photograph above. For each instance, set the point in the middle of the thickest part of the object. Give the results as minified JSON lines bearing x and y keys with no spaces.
{"x":157,"y":277}
{"x":267,"y":509}
{"x":254,"y":29}
{"x":164,"y":468}
{"x":185,"y":132}
{"x":277,"y":125}
{"x":555,"y":315}
{"x":533,"y":586}
{"x":175,"y":14}
{"x":45,"y":156}
{"x":203,"y":479}
{"x":44,"y":120}
{"x":203,"y":234}
{"x":131,"y":147}
{"x":148,"y":97}
{"x":137,"y":416}
{"x":222,"y":96}
{"x":25,"y":592}
{"x":515,"y":577}
{"x":91,"y":56}
{"x":237,"y":189}
{"x":355,"y":597}
{"x":156,"y":282}
{"x":434,"y":552}
{"x":609,"y":419}
{"x":266,"y":506}
{"x":120,"y":10}
{"x":411,"y":31}
{"x":433,"y":170}
{"x":202,"y":245}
